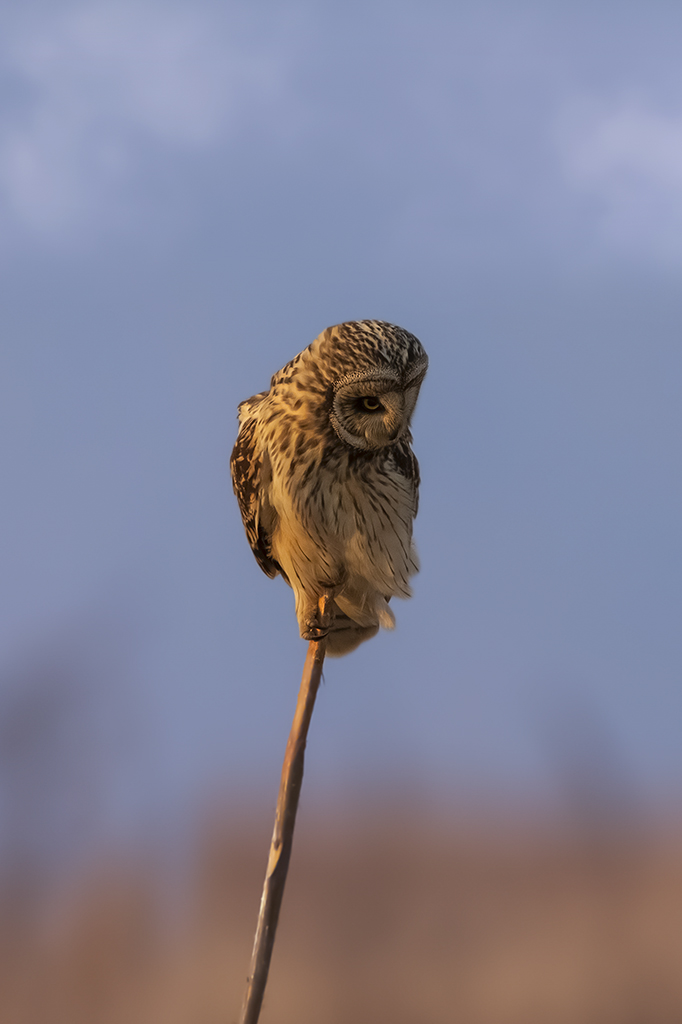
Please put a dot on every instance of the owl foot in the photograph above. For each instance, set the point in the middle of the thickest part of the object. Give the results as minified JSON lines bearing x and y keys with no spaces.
{"x":317,"y":627}
{"x":314,"y":632}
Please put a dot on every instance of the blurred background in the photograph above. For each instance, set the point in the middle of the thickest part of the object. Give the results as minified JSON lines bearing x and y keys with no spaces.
{"x":189,"y":193}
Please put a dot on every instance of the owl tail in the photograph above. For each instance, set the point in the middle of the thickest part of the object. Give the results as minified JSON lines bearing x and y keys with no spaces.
{"x":356,"y":621}
{"x":345,"y":634}
{"x":365,"y":607}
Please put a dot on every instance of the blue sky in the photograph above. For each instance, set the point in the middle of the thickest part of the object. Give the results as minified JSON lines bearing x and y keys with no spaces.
{"x":189,"y":194}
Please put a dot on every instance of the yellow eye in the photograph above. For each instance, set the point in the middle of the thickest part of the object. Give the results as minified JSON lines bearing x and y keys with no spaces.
{"x":371,"y":404}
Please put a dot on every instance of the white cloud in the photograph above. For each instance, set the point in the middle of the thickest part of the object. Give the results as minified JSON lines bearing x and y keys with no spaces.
{"x":629,"y":159}
{"x":100,"y":82}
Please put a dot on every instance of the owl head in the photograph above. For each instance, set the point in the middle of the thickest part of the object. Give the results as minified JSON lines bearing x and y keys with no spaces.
{"x":379,"y":370}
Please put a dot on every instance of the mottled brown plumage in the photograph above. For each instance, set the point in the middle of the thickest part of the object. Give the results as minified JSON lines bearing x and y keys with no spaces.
{"x":326,"y":480}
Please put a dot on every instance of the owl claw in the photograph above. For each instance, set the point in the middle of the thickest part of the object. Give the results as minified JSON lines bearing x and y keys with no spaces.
{"x":314,"y":632}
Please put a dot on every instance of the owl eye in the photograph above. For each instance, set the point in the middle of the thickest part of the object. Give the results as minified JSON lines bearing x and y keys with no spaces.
{"x":370,"y":404}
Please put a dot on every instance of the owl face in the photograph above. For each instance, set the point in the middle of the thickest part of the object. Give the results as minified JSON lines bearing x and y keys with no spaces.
{"x":373,"y":409}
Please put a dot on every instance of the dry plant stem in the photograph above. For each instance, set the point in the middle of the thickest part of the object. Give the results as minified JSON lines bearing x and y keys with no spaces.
{"x":285,"y":820}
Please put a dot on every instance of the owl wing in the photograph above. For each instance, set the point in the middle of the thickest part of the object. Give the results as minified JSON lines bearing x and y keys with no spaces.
{"x":248,"y":465}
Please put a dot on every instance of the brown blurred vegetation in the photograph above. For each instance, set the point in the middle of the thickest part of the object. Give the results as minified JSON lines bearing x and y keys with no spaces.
{"x":388,"y":918}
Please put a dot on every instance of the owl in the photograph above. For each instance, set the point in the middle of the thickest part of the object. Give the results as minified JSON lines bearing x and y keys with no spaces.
{"x":327,"y":482}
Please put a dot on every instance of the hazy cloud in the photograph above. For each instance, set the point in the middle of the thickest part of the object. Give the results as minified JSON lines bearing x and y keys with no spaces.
{"x":629,"y":159}
{"x":94,"y":85}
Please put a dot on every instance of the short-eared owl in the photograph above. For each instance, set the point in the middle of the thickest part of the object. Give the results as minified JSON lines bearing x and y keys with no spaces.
{"x":326,"y":479}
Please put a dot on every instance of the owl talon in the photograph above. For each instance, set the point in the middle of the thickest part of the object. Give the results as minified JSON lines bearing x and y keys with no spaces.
{"x":314,"y":632}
